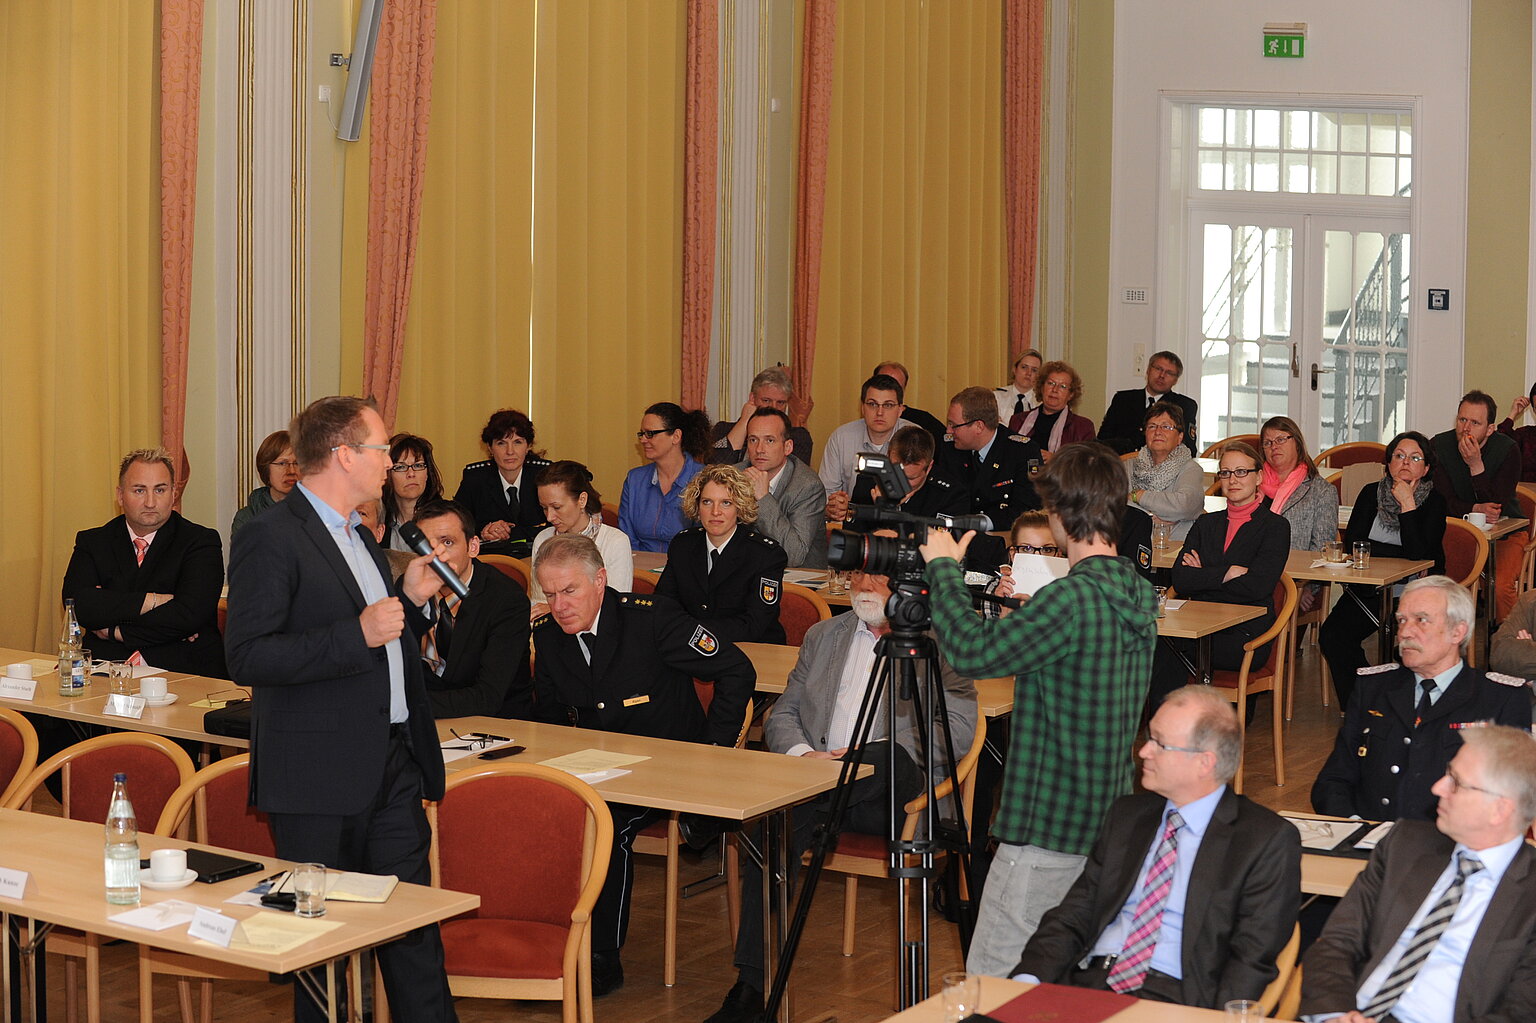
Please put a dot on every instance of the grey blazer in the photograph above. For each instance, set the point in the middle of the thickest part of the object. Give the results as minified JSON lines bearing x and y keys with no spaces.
{"x":804,"y":713}
{"x":1313,"y":512}
{"x":796,"y":516}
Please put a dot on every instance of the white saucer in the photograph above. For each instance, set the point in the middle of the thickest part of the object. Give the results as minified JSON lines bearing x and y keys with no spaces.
{"x":1326,"y":564}
{"x":166,"y":701}
{"x":147,"y":879}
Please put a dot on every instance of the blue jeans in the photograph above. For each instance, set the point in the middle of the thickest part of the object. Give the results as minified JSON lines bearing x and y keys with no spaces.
{"x":1024,"y":882}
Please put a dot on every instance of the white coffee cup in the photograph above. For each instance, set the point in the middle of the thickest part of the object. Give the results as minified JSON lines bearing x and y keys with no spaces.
{"x":1478,"y":519}
{"x":152,"y":687}
{"x":168,"y":865}
{"x":19,"y":670}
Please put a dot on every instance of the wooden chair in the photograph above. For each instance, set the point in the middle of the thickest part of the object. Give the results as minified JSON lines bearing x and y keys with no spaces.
{"x":864,"y":855}
{"x":1466,"y":552}
{"x":1289,"y":1003}
{"x":223,"y":614}
{"x":1215,"y":449}
{"x":216,"y":800}
{"x":533,"y":843}
{"x":18,"y":751}
{"x":1526,"y":494}
{"x":610,"y":514}
{"x":1129,"y":456}
{"x":644,"y":582}
{"x":663,"y":838}
{"x":156,"y":767}
{"x":1269,"y":677}
{"x":516,"y":569}
{"x":1286,"y":963}
{"x":1352,"y":453}
{"x":799,"y":609}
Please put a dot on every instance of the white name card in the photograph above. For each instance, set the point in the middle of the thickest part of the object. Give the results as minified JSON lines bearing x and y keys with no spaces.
{"x":18,"y":688}
{"x":13,"y":883}
{"x":124,"y":706}
{"x":212,"y":926}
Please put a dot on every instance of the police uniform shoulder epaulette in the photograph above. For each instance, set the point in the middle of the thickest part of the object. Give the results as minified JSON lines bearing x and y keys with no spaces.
{"x":483,"y":464}
{"x":542,"y":620}
{"x":690,"y":529}
{"x":1000,"y":390}
{"x":1018,"y":438}
{"x":766,"y":540}
{"x":535,"y":460}
{"x":1505,"y":680}
{"x":1378,"y":669}
{"x":940,"y":482}
{"x":636,"y":600}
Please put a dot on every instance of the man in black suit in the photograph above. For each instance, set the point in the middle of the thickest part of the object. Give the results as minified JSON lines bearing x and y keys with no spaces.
{"x":146,"y":585}
{"x":1190,"y":891}
{"x":502,"y":492}
{"x":989,"y":463}
{"x":625,"y":662}
{"x":343,"y":745}
{"x":1122,"y":426}
{"x":474,"y":652}
{"x":1441,"y":924}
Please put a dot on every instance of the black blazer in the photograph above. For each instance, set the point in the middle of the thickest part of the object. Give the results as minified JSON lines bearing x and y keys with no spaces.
{"x":108,"y":586}
{"x":1262,"y":545}
{"x":740,"y":600}
{"x":1423,"y":529}
{"x":487,"y":669}
{"x":1498,"y":979}
{"x":1122,"y":429}
{"x":999,"y":486}
{"x":484,"y":493}
{"x":1244,"y":892}
{"x":320,"y":717}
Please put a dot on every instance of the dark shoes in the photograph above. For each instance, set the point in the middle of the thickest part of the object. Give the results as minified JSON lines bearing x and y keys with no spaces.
{"x":697,"y":831}
{"x":744,"y":1004}
{"x":607,"y":973}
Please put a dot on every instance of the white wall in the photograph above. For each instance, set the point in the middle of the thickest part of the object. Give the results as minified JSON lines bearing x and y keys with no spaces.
{"x":1416,"y":50}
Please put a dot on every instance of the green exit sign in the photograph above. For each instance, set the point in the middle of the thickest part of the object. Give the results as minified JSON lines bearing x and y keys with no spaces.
{"x":1284,"y":45}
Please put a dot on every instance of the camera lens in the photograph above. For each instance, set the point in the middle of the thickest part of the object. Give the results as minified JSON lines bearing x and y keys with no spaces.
{"x":879,"y":555}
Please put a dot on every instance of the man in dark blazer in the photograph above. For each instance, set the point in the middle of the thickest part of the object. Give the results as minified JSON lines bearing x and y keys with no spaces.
{"x":989,"y":463}
{"x":343,"y":745}
{"x":147,"y":583}
{"x":625,"y":662}
{"x":474,"y":651}
{"x":1236,"y":879}
{"x":1441,"y":924}
{"x":1122,"y":426}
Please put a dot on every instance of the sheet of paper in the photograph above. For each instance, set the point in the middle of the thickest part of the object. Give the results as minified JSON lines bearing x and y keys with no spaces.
{"x":278,"y":932}
{"x":350,"y":886}
{"x":1032,"y":571}
{"x":595,"y":777}
{"x":1375,"y":835}
{"x":805,"y":577}
{"x":591,"y":761}
{"x":1174,"y":605}
{"x":157,"y":916}
{"x":140,"y":670}
{"x":41,"y":666}
{"x":1322,"y":834}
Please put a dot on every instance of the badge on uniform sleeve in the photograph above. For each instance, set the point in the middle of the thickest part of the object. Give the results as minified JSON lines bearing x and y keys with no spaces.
{"x":704,"y":641}
{"x":770,"y":591}
{"x":1144,"y":557}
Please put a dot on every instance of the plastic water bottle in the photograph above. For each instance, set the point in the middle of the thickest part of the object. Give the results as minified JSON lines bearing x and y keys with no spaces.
{"x":122,"y":857}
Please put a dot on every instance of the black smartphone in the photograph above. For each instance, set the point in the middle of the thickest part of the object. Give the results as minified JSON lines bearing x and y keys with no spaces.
{"x":502,"y":753}
{"x":284,"y":901}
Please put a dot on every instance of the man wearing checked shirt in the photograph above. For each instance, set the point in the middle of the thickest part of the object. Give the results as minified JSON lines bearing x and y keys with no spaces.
{"x":1081,"y":654}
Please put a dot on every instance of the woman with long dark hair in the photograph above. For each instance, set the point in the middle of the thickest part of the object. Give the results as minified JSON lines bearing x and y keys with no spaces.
{"x":675,"y":443}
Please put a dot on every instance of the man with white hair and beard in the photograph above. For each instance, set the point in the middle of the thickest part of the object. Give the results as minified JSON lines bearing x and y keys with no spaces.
{"x":815,"y":718}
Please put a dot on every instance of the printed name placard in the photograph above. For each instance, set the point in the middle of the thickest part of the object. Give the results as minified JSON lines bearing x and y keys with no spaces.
{"x":212,"y":926}
{"x":13,"y":883}
{"x":18,"y":688}
{"x":124,"y":706}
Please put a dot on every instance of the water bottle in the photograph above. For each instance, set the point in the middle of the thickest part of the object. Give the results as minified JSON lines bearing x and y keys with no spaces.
{"x":72,"y":666}
{"x":122,"y":858}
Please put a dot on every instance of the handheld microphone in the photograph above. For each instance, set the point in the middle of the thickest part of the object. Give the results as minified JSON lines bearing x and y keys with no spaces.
{"x":411,"y":533}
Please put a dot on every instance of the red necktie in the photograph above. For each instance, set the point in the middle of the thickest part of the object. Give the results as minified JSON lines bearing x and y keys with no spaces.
{"x":140,"y":545}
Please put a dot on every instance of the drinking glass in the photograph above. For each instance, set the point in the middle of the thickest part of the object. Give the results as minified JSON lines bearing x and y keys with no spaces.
{"x":1362,"y":553}
{"x":962,"y":992}
{"x":309,"y":889}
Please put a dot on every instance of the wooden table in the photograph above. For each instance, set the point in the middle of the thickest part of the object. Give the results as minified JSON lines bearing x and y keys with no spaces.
{"x":1200,"y":620}
{"x":1495,"y":532}
{"x":63,"y":858}
{"x":1382,"y":573}
{"x":996,"y":991}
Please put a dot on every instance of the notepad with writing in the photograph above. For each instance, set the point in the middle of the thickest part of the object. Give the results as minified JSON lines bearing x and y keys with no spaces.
{"x":348,"y":886}
{"x":1061,"y":1004}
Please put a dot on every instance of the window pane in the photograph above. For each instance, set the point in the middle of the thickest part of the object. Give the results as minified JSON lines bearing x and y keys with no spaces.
{"x":1351,"y":175}
{"x":1295,"y":177}
{"x":1210,"y":169}
{"x":1266,"y":172}
{"x":1384,"y":134}
{"x":1383,"y":175}
{"x":1212,"y":126}
{"x":1405,"y":134}
{"x":1239,"y":174}
{"x":1325,"y":174}
{"x":1266,"y":129}
{"x":1239,"y":127}
{"x":1325,"y":130}
{"x":1405,"y":174}
{"x":1352,"y":133}
{"x":1298,"y":129}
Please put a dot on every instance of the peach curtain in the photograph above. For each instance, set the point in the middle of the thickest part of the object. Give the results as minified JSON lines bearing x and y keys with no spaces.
{"x":181,"y":65}
{"x":401,"y":95}
{"x":1023,"y":82}
{"x":816,"y":69}
{"x":700,"y":160}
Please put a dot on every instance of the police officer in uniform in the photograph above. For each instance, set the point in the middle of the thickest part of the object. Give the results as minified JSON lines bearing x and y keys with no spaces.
{"x":502,"y":492}
{"x":1404,"y":722}
{"x":622,"y":662}
{"x":990,"y":464}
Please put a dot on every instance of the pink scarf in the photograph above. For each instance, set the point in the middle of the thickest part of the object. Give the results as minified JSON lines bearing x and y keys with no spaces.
{"x":1279,"y":490}
{"x":1237,"y":518}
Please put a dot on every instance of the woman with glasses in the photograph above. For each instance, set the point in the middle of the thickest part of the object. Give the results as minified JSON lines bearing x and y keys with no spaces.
{"x":502,"y":492}
{"x":722,"y":571}
{"x":1052,"y":423}
{"x":572,"y":505}
{"x":413,"y":480}
{"x":1232,"y":556}
{"x":1296,"y":490}
{"x":279,"y":472}
{"x":675,"y":443}
{"x":1166,"y":481}
{"x":1402,"y":516}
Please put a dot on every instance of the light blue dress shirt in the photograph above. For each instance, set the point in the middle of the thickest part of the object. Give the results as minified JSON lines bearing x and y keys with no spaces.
{"x":649,"y":517}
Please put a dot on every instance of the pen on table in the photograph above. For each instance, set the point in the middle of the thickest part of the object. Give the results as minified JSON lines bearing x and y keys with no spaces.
{"x":268,"y":880}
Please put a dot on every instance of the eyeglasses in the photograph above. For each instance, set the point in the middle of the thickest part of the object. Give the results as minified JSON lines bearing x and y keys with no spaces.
{"x":1457,"y":785}
{"x":405,"y":467}
{"x":1050,"y":549}
{"x":1275,"y":442}
{"x":1403,"y":456}
{"x":1165,"y":427}
{"x":881,"y":406}
{"x":286,"y":465}
{"x":1226,"y":474}
{"x":1164,"y":747}
{"x":362,"y":447}
{"x":648,"y":434}
{"x":475,"y":740}
{"x":1057,"y":385}
{"x":955,"y":426}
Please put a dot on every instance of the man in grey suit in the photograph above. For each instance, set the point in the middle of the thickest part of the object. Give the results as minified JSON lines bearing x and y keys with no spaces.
{"x":815,"y":718}
{"x":1440,"y":927}
{"x":791,"y":500}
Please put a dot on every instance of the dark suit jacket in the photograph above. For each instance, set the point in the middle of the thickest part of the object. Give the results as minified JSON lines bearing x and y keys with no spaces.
{"x":739,"y":601}
{"x":1262,"y":545}
{"x":484,"y":493}
{"x":998,"y":486}
{"x":1122,"y":429}
{"x":108,"y":586}
{"x":1244,"y":892}
{"x":1498,"y":981}
{"x":487,"y":669}
{"x":320,"y":718}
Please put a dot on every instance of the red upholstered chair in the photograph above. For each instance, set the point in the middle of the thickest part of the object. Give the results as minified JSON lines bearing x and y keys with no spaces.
{"x":1466,"y":552}
{"x":533,"y":843}
{"x":1214,"y":450}
{"x":610,"y":514}
{"x":1268,"y":677}
{"x":155,"y":766}
{"x":644,"y":582}
{"x":799,"y":609}
{"x":215,"y":799}
{"x":18,"y":751}
{"x":515,"y":569}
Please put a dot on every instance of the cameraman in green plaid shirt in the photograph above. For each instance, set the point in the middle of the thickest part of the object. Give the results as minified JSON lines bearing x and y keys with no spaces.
{"x":1081,"y":653}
